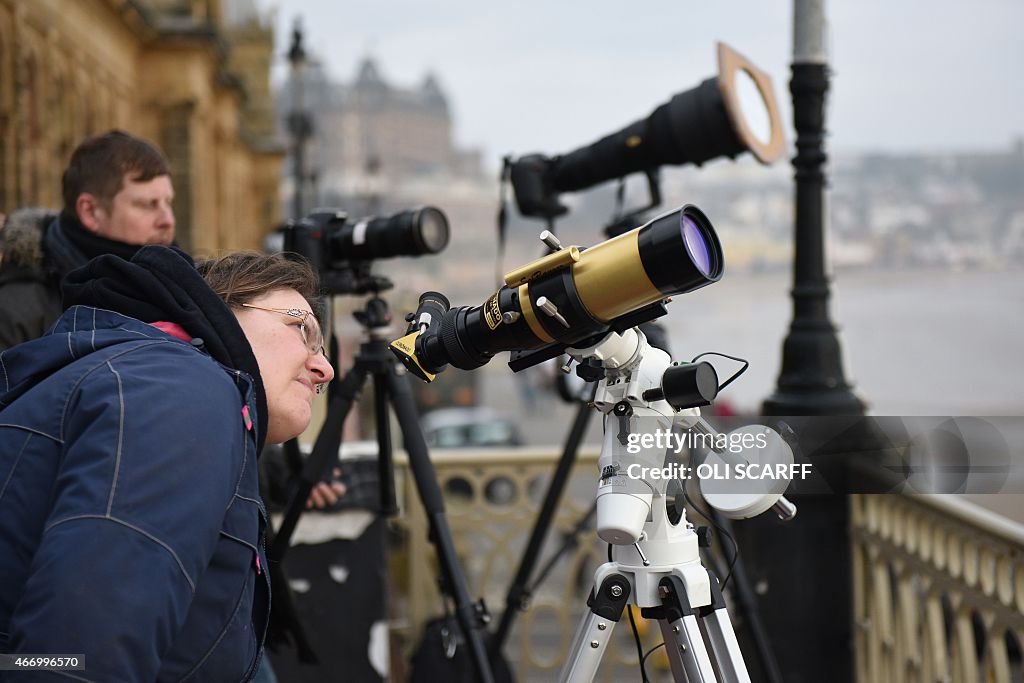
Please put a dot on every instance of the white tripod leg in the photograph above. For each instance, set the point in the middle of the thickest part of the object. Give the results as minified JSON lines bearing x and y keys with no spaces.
{"x":724,"y":646}
{"x":687,"y":655}
{"x":594,"y":632}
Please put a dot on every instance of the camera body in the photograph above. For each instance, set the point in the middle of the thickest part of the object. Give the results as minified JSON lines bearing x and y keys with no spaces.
{"x":341,"y":249}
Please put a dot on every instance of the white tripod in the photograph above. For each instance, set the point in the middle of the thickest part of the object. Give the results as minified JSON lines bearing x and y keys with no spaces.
{"x":655,"y":562}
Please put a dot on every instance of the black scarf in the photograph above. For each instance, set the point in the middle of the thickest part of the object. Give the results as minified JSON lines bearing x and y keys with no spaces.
{"x":70,"y":245}
{"x":161,"y":284}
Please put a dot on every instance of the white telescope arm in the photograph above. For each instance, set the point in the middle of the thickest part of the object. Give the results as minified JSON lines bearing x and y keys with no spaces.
{"x":624,"y":502}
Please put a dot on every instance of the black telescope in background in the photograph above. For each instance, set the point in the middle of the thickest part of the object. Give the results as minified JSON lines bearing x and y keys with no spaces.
{"x":700,"y":124}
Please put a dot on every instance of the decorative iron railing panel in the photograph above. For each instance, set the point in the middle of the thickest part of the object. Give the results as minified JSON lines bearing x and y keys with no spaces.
{"x":938,"y":591}
{"x":492,"y":499}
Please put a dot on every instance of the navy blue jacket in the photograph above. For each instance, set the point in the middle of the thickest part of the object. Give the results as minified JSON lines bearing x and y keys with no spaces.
{"x":131,"y":524}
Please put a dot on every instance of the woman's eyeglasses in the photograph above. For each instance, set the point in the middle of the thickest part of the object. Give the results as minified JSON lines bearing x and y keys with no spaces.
{"x":309,"y":328}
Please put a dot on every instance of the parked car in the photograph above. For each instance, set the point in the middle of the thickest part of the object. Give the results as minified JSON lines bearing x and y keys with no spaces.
{"x":469,"y":428}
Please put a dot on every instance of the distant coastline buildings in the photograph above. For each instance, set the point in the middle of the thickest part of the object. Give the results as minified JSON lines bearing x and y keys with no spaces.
{"x":380,"y":147}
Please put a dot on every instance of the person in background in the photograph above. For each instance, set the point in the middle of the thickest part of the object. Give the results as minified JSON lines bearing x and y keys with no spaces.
{"x":117,"y":196}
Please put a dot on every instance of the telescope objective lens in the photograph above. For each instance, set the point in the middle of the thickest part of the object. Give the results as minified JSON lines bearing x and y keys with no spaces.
{"x":696,"y":245}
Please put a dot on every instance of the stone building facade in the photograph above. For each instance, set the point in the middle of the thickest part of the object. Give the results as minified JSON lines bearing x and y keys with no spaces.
{"x":188,"y":75}
{"x":372,"y":136}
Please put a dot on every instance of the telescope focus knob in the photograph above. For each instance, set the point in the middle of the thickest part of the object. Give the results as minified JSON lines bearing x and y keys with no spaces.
{"x":545,"y":304}
{"x":552,"y":242}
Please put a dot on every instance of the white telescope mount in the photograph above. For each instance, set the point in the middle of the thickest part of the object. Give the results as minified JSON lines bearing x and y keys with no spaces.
{"x":655,"y":562}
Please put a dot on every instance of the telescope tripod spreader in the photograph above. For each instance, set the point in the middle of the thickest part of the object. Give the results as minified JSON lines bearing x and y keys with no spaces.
{"x":655,"y":563}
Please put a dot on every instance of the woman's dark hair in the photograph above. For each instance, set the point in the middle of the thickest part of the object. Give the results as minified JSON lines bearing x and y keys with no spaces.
{"x":243,"y":276}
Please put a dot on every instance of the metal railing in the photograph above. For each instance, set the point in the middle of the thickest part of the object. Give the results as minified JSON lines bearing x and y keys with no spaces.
{"x":938,"y":590}
{"x":492,"y":498}
{"x":938,"y":582}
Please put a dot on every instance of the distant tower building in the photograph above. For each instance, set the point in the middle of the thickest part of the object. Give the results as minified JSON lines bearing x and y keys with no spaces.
{"x":407,"y":131}
{"x":372,"y":136}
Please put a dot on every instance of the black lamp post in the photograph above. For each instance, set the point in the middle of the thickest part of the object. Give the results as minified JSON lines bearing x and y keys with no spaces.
{"x":300,"y":123}
{"x":811,"y":381}
{"x":803,"y":568}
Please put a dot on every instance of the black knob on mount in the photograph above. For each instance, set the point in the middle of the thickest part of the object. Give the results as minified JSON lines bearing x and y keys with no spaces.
{"x":686,"y":386}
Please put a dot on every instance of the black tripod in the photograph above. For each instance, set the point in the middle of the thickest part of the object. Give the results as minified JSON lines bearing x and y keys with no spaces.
{"x":390,"y":389}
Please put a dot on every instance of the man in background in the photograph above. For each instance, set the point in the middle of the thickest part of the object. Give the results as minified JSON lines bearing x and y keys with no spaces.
{"x":117,"y":196}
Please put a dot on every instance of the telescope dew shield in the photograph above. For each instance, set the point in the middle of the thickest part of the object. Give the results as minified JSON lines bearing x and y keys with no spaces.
{"x":673,"y":254}
{"x":567,"y":298}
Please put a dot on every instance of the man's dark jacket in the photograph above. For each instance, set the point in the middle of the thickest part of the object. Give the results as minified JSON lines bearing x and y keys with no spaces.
{"x":130,"y":518}
{"x":39,"y":249}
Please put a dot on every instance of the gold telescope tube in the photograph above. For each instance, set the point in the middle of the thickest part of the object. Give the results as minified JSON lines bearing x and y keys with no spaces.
{"x":611,"y":280}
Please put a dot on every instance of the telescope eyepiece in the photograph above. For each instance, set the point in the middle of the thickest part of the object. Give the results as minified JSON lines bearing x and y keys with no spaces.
{"x":431,"y":308}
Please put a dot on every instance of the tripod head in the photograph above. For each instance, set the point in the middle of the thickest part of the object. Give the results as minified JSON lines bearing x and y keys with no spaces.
{"x":644,"y":398}
{"x":375,"y":317}
{"x":355,"y":278}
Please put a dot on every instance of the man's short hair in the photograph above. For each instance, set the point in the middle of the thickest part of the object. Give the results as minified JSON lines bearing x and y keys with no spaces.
{"x":98,"y":166}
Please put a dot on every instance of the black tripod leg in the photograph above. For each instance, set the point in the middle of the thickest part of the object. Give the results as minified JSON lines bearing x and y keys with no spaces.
{"x":747,"y":603}
{"x":440,"y":534}
{"x":326,"y":448}
{"x":518,"y":594}
{"x":385,"y":461}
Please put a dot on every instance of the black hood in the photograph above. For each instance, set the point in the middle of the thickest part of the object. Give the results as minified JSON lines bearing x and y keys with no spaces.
{"x":21,"y":242}
{"x":161,"y":284}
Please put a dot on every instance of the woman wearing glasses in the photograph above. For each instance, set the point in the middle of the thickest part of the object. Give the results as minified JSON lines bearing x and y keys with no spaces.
{"x":131,"y":524}
{"x":284,"y":334}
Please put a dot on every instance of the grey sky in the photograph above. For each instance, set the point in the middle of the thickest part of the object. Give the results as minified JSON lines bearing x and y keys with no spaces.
{"x":929,"y":75}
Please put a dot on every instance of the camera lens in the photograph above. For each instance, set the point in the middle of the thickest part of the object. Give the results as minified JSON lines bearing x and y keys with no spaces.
{"x":407,"y":233}
{"x":431,"y":229}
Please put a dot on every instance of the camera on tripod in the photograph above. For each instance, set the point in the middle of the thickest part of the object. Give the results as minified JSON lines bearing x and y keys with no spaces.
{"x":341,"y":249}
